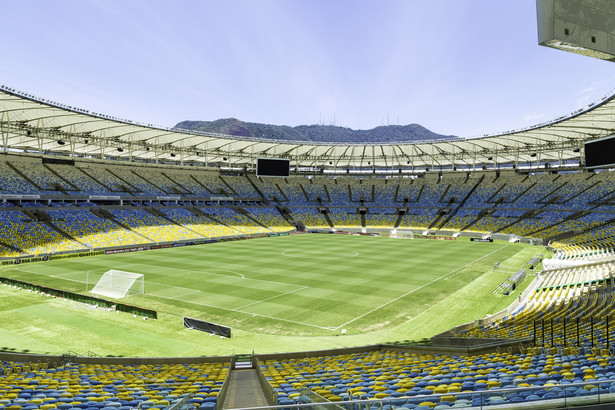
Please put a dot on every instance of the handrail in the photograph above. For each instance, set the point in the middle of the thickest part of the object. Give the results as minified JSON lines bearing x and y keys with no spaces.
{"x":546,"y":403}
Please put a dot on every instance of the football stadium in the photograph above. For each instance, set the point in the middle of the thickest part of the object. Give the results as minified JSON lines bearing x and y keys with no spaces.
{"x":145,"y":267}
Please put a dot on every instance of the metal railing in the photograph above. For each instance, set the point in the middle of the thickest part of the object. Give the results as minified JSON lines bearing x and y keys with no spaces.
{"x":553,"y":396}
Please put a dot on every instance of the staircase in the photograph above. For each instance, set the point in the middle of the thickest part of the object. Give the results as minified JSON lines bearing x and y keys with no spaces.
{"x":244,"y":389}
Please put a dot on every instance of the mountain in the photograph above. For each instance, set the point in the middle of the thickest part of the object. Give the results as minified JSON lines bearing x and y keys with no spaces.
{"x":314,"y":133}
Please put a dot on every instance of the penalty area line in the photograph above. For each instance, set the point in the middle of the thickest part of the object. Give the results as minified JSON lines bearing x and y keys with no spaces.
{"x":52,"y":276}
{"x":420,"y":287}
{"x":249,"y":313}
{"x":273,"y":297}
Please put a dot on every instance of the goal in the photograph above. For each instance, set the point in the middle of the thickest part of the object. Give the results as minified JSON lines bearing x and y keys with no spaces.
{"x":403,"y":234}
{"x":118,"y":284}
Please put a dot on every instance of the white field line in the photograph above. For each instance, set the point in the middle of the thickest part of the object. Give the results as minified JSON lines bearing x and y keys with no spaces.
{"x":189,"y":291}
{"x":242,"y":277}
{"x":249,"y":313}
{"x":273,"y":297}
{"x":420,"y":287}
{"x":53,"y":276}
{"x":192,"y":291}
{"x":214,"y":306}
{"x":318,"y":253}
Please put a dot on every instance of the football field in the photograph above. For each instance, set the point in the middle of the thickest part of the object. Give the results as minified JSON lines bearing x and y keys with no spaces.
{"x":299,"y":292}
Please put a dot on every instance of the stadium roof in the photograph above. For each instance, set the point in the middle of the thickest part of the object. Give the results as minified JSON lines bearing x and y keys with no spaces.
{"x":31,"y":124}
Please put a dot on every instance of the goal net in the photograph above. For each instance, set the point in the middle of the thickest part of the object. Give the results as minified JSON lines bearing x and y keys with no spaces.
{"x":403,"y":234}
{"x":118,"y":284}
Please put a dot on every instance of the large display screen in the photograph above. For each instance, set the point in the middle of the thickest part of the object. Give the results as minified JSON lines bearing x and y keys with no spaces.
{"x":269,"y":167}
{"x":600,"y":153}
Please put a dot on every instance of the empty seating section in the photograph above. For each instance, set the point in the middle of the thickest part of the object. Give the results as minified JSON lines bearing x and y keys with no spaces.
{"x":567,"y":308}
{"x":310,"y":217}
{"x":241,"y":186}
{"x":154,"y":228}
{"x":200,"y":223}
{"x":268,"y":187}
{"x":576,"y":190}
{"x":345,"y":217}
{"x":540,"y":186}
{"x":13,"y":183}
{"x":315,"y":188}
{"x":165,"y":181}
{"x":239,"y":222}
{"x":596,"y":234}
{"x":44,"y":178}
{"x":512,"y":189}
{"x":402,"y":376}
{"x":30,"y":237}
{"x":139,"y":180}
{"x":461,"y":219}
{"x":498,"y":220}
{"x":417,"y":219}
{"x":486,"y":190}
{"x":384,"y":192}
{"x":381,"y":218}
{"x":92,"y":230}
{"x":186,"y":183}
{"x":361,"y":189}
{"x":556,"y":222}
{"x":590,"y":251}
{"x":432,"y":194}
{"x":540,"y":205}
{"x":457,"y":188}
{"x":564,"y":312}
{"x":271,"y":218}
{"x":292,"y":191}
{"x":409,"y":190}
{"x":84,"y":184}
{"x":112,"y":183}
{"x":97,"y":386}
{"x":213,"y":184}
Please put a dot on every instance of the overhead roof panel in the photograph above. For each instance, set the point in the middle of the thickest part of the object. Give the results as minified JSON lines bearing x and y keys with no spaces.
{"x":31,"y":124}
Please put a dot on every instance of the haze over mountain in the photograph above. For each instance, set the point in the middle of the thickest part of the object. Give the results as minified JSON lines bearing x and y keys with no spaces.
{"x":315,"y":133}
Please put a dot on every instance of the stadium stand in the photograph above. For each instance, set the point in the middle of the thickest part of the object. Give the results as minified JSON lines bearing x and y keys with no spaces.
{"x":28,"y":385}
{"x":420,"y":381}
{"x":155,"y":228}
{"x":270,"y":218}
{"x":565,"y":314}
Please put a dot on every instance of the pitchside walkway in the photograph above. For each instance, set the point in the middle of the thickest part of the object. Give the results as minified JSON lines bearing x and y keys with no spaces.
{"x":244,"y":390}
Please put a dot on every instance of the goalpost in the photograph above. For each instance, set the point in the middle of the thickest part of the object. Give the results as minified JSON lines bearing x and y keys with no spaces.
{"x":118,"y":284}
{"x":401,"y":233}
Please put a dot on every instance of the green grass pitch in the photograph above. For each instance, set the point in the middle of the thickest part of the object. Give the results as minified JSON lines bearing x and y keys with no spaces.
{"x":285,"y":293}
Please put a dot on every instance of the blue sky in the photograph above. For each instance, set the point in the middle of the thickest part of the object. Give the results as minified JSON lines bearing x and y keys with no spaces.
{"x":461,"y":67}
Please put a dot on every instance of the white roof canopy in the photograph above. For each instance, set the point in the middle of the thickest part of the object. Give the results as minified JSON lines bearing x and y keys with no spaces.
{"x":35,"y":125}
